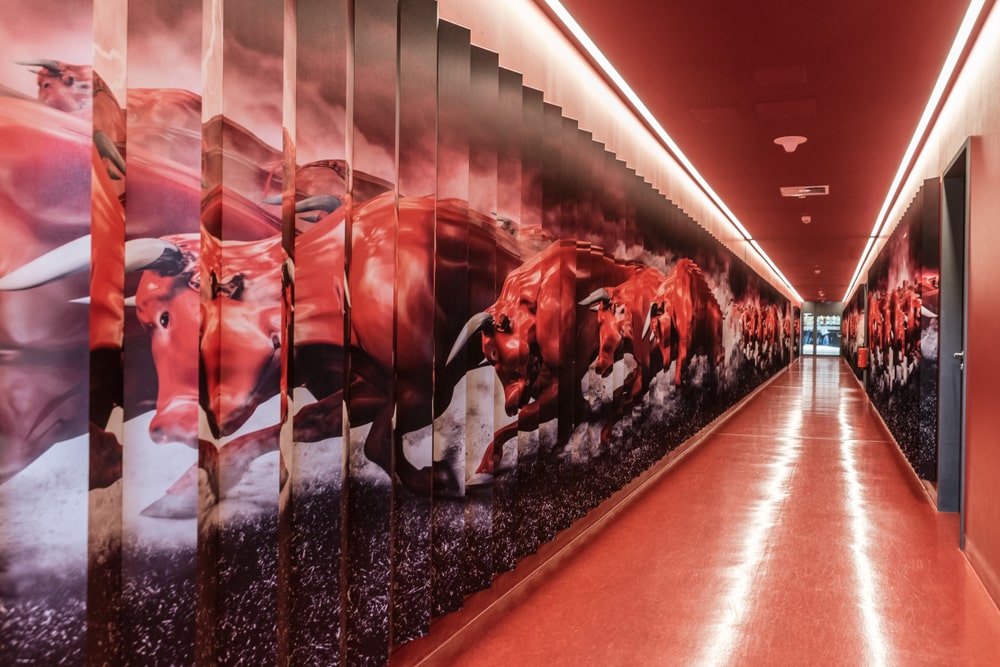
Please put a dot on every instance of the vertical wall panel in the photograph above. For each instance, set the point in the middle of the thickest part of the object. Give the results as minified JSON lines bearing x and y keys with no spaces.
{"x":415,"y":349}
{"x":507,"y":524}
{"x":241,"y":331}
{"x":104,"y":586}
{"x":44,"y":372}
{"x":451,"y":272}
{"x":536,"y":237}
{"x":484,"y":92}
{"x":163,"y":157}
{"x":371,"y":276}
{"x":554,"y":420}
{"x":314,"y":489}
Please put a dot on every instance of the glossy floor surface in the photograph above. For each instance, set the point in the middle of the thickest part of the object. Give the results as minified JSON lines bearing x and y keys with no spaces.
{"x":793,"y":535}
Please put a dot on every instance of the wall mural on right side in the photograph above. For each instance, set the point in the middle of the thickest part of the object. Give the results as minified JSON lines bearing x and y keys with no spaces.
{"x":903,"y":330}
{"x":852,"y":330}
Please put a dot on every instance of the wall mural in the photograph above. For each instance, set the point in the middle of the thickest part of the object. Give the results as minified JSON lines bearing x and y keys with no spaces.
{"x":852,"y":329}
{"x":796,"y":332}
{"x":302,"y":345}
{"x":903,"y":286}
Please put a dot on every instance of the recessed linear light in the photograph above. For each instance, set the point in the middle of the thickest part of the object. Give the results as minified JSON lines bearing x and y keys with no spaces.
{"x":923,"y":126}
{"x":643,"y":111}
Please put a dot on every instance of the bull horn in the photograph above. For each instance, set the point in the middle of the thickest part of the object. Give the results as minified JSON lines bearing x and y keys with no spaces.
{"x":52,"y":66}
{"x":927,"y":313}
{"x":326,"y":203}
{"x":154,"y":255}
{"x":106,"y":148}
{"x":63,"y":261}
{"x":130,"y":302}
{"x":599,"y":294}
{"x":475,"y":323}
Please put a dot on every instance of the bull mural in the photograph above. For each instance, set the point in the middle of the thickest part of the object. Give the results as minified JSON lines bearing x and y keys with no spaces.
{"x":685,"y":318}
{"x":285,"y":370}
{"x":901,"y":330}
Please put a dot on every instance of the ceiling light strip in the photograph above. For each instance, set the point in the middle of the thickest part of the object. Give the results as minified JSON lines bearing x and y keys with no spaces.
{"x":625,"y":89}
{"x":958,"y":46}
{"x":857,"y":271}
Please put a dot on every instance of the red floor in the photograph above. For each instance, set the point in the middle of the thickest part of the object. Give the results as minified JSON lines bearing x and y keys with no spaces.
{"x":791,"y":536}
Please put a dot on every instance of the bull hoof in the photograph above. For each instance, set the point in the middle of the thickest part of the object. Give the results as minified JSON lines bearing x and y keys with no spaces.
{"x":171,"y":506}
{"x":446,"y":483}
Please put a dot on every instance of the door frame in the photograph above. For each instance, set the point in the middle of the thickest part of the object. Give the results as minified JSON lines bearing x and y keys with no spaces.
{"x":953,"y":334}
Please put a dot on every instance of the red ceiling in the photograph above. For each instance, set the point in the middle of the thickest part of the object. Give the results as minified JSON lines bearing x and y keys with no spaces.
{"x":726,"y":77}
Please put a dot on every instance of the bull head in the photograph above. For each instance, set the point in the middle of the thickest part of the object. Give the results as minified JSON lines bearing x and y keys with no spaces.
{"x":612,"y":325}
{"x":510,"y":347}
{"x":61,"y":86}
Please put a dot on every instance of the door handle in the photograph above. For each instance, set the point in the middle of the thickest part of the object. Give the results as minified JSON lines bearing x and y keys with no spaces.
{"x":961,"y":357}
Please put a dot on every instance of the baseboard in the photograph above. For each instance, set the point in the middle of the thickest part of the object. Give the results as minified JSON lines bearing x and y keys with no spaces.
{"x":988,"y":577}
{"x":919,"y":486}
{"x":451,"y":633}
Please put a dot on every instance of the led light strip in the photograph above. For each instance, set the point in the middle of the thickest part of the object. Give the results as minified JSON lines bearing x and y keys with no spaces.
{"x":944,"y":78}
{"x":588,"y":44}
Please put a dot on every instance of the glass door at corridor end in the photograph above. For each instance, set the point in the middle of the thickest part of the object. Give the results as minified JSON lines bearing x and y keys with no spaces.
{"x":808,"y":334}
{"x":820,"y":334}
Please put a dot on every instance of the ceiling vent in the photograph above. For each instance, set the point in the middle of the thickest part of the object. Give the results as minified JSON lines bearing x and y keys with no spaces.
{"x":805,"y":191}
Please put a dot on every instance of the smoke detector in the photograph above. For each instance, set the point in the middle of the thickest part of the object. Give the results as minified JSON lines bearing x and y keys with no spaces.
{"x":802,"y":191}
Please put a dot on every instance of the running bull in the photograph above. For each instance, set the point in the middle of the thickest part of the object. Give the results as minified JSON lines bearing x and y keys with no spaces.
{"x":684,"y":319}
{"x":621,"y":313}
{"x":540,"y":340}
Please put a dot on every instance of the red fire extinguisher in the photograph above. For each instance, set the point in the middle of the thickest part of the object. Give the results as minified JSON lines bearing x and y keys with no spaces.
{"x":862,"y":357}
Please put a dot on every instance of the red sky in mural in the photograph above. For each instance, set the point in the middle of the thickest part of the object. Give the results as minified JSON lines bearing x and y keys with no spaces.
{"x":172,"y":33}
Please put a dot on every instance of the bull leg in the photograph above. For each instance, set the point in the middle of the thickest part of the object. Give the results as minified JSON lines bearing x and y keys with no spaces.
{"x":320,"y":420}
{"x":682,"y":350}
{"x":494,"y":451}
{"x":543,"y":409}
{"x":180,"y":501}
{"x":382,"y":443}
{"x":665,"y":351}
{"x":105,"y":458}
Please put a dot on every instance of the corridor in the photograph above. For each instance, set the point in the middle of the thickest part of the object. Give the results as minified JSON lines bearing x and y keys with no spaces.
{"x":792,"y":535}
